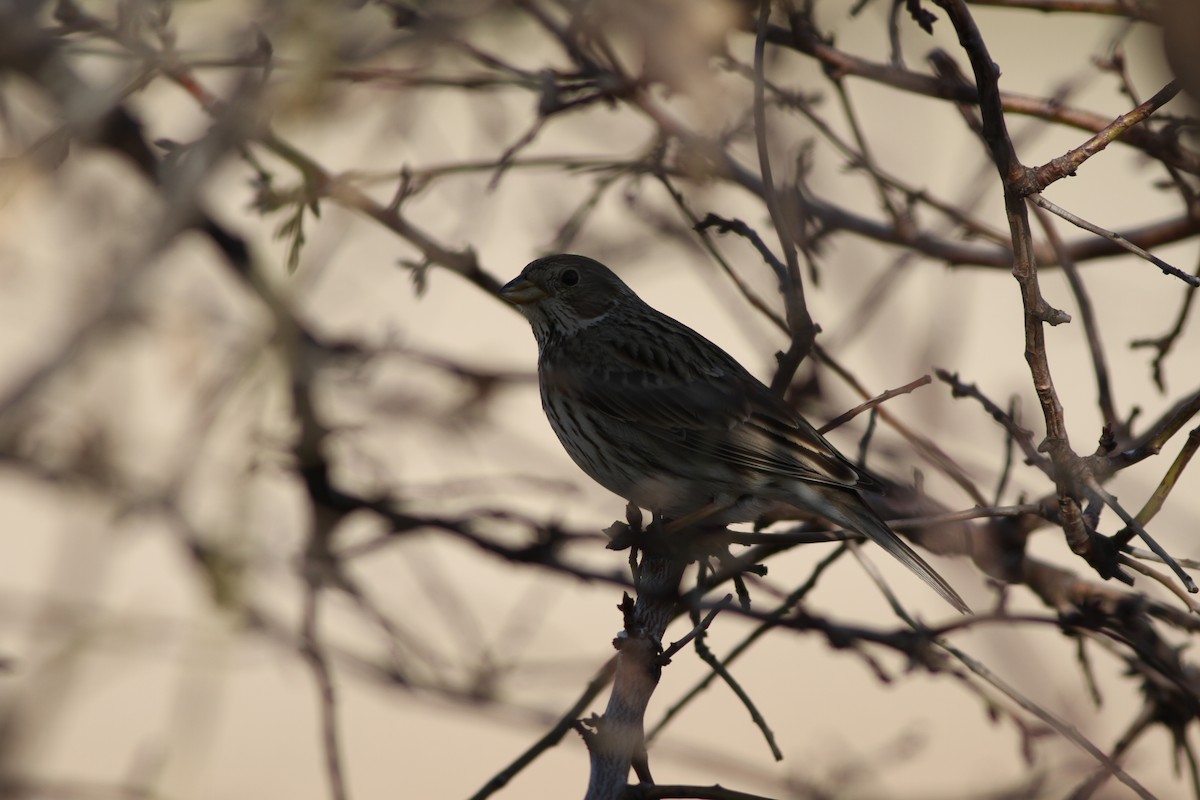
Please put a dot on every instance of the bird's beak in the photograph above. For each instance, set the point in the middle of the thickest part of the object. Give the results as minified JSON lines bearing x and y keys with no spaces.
{"x":520,"y":291}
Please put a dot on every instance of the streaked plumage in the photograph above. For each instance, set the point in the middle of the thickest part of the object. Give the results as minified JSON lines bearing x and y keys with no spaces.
{"x":659,"y":415}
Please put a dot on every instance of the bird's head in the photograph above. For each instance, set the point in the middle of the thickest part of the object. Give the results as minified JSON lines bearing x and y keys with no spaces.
{"x":562,"y":294}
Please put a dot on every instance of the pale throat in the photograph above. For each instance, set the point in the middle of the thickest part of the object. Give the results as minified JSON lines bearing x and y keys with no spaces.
{"x":554,"y":325}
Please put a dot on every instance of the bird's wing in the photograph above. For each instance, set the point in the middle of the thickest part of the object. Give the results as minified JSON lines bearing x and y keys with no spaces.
{"x":665,"y":377}
{"x":699,"y":400}
{"x":795,"y":451}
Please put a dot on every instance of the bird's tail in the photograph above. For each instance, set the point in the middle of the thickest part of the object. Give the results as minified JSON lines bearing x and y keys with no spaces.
{"x":850,"y":511}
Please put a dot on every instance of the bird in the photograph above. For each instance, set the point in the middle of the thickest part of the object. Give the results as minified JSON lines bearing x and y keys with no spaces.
{"x":659,"y":415}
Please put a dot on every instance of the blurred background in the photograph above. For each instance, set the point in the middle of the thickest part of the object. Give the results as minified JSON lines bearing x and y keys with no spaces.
{"x":281,"y":513}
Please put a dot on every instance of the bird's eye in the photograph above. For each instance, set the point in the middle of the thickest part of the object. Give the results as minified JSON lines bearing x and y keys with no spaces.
{"x":570,"y":278}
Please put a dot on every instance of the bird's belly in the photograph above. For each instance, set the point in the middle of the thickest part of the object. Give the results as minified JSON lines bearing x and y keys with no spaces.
{"x":651,"y":475}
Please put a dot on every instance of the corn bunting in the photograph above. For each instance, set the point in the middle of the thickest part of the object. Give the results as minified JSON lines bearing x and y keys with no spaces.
{"x":659,"y":415}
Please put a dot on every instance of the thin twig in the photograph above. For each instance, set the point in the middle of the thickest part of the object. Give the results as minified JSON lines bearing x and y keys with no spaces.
{"x":708,"y":657}
{"x":1104,"y":391}
{"x":1064,"y":728}
{"x":791,"y":284}
{"x":553,"y":736}
{"x":1131,"y":521}
{"x":907,"y":388}
{"x":1116,"y":238}
{"x":1172,"y":586}
{"x":697,"y":629}
{"x":1069,"y":162}
{"x":765,"y":625}
{"x":1150,"y":555}
{"x":1174,"y":472}
{"x":923,"y":444}
{"x":314,"y":653}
